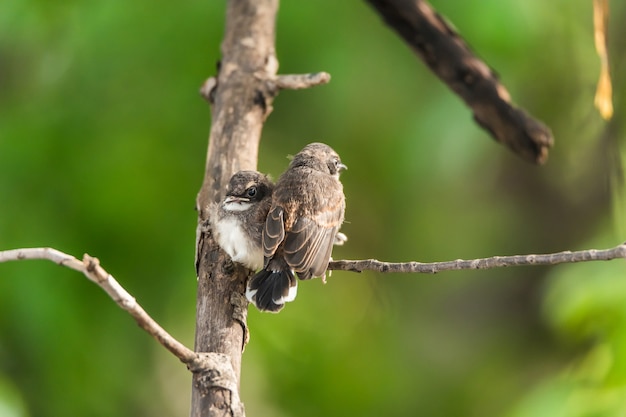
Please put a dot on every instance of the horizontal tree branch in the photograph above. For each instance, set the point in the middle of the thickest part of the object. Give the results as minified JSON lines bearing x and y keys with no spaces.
{"x":301,"y":81}
{"x":281,"y":82}
{"x":92,"y":270}
{"x":481,"y":263}
{"x":198,"y":362}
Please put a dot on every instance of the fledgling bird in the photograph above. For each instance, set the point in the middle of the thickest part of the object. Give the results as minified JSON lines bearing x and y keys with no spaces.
{"x":307,"y":211}
{"x":238,"y":220}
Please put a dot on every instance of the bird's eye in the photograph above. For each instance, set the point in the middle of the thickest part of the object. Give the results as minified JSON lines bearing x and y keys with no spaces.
{"x":333,"y":166}
{"x":251,"y":192}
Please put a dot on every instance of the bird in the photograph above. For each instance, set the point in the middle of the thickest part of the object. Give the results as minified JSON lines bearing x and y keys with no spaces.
{"x":307,"y":210}
{"x":238,"y":220}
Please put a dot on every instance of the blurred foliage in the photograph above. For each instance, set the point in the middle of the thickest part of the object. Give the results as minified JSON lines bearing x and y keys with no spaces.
{"x":102,"y":147}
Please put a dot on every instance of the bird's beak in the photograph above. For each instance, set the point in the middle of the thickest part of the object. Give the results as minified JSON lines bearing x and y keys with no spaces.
{"x":233,"y":199}
{"x":342,"y":167}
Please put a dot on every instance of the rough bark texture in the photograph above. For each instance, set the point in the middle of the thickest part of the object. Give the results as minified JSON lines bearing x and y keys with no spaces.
{"x":450,"y":58}
{"x":241,"y":99}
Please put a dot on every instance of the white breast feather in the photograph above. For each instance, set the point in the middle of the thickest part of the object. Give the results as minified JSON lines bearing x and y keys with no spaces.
{"x":235,"y":243}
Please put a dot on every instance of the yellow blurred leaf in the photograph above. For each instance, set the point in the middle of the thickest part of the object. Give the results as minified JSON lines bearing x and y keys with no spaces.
{"x":603,"y":99}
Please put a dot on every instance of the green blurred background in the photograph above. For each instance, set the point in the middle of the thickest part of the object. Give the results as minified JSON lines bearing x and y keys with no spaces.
{"x":103,"y":138}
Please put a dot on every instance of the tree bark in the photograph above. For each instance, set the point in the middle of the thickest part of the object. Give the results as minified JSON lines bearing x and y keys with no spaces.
{"x":241,"y":97}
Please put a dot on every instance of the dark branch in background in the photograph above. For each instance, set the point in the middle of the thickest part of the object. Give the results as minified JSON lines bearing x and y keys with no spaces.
{"x":450,"y":58}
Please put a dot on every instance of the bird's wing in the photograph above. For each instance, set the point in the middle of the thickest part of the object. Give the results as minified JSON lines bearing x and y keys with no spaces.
{"x":309,"y":243}
{"x":274,"y":232}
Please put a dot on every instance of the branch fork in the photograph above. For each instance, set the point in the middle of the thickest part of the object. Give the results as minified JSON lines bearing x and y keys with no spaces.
{"x":280,"y":82}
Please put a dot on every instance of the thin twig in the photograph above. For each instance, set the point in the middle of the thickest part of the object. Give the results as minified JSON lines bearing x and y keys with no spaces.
{"x":282,"y":82}
{"x":301,"y":81}
{"x":91,"y":268}
{"x":481,"y":263}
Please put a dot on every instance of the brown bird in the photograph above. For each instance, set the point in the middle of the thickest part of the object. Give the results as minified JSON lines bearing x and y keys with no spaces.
{"x":237,"y":222}
{"x":307,"y":211}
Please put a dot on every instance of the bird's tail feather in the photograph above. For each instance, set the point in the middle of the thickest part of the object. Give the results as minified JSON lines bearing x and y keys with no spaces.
{"x":269,"y":290}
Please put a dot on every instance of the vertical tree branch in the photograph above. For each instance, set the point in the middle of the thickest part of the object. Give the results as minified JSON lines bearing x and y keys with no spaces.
{"x":241,"y":100}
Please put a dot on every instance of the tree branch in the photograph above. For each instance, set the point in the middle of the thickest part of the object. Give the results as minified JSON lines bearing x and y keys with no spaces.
{"x":241,"y":97}
{"x":447,"y":55}
{"x":282,"y":82}
{"x":301,"y":81}
{"x":618,"y":252}
{"x":91,"y":268}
